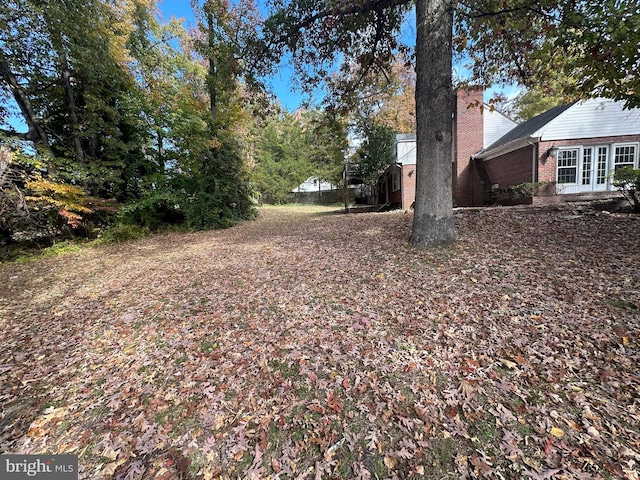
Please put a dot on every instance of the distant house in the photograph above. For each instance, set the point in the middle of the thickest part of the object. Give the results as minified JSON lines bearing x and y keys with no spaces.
{"x":314,"y":190}
{"x":476,"y":126}
{"x":314,"y":184}
{"x":577,"y":146}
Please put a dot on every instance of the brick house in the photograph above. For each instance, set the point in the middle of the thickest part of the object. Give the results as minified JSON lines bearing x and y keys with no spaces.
{"x":475,"y":126}
{"x":576,"y":146}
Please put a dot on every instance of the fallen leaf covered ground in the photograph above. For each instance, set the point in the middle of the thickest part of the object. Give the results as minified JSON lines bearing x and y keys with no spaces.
{"x":321,"y":346}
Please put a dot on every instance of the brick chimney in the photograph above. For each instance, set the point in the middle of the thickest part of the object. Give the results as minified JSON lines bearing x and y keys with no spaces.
{"x":468,"y":139}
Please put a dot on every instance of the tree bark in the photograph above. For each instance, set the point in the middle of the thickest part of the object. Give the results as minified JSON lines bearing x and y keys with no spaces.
{"x":212,"y":70}
{"x":73,"y":110}
{"x":433,"y":217}
{"x":36,"y":133}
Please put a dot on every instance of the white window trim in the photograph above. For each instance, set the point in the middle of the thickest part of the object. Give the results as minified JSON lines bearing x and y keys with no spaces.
{"x":578,"y":166}
{"x":636,"y":146}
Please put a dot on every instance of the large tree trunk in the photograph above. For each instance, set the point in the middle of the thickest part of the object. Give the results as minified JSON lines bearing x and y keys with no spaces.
{"x":36,"y":133}
{"x":212,"y":70}
{"x":72,"y":108}
{"x":433,"y":217}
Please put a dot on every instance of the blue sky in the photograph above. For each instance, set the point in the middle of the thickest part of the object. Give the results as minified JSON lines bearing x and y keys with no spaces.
{"x":281,"y":82}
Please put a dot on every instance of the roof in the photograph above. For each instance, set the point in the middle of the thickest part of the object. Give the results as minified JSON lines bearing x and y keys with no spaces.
{"x":529,"y":128}
{"x":406,"y":137}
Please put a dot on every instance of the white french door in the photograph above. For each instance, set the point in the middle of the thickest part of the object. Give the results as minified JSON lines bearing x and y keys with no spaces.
{"x":595,"y":168}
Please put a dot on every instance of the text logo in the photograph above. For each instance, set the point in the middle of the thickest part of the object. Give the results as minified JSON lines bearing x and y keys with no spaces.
{"x":49,"y":467}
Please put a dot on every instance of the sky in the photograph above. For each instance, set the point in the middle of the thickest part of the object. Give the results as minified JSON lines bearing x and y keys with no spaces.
{"x":281,"y":82}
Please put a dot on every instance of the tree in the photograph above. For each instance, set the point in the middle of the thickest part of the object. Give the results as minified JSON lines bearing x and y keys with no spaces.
{"x":388,"y":98}
{"x":66,"y":67}
{"x":521,"y":40}
{"x":595,"y":44}
{"x":627,"y":180}
{"x":327,"y":143}
{"x":433,"y":211}
{"x":533,"y":102}
{"x":366,"y":35}
{"x":375,"y":153}
{"x":282,"y":158}
{"x":398,"y":106}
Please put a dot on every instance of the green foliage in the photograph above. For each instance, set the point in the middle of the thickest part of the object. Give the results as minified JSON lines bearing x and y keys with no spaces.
{"x":627,"y":180}
{"x":215,"y":191}
{"x":153,"y":211}
{"x":536,"y":101}
{"x":591,"y":46}
{"x":119,"y":233}
{"x":375,"y":153}
{"x":131,"y":112}
{"x":282,"y":159}
{"x":327,"y":144}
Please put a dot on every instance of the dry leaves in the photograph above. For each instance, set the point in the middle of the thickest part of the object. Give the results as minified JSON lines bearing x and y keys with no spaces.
{"x":305,"y":345}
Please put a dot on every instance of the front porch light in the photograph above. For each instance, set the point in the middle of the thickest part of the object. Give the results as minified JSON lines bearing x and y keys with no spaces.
{"x":552,"y":152}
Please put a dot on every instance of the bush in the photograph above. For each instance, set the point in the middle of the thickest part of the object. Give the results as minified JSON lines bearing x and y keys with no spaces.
{"x":122,"y":233}
{"x":153,"y":211}
{"x":216,"y":194}
{"x":627,"y":180}
{"x":525,"y":190}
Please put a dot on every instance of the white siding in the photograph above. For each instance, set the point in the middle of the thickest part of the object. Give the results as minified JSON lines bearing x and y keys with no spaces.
{"x":592,"y":118}
{"x":495,"y":126}
{"x":311,"y":185}
{"x":406,"y":152}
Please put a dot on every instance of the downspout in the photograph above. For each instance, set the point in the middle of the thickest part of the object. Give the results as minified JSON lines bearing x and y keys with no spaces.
{"x":534,"y":162}
{"x":401,"y":184}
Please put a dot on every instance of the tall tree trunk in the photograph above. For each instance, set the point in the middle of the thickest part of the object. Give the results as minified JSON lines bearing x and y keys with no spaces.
{"x":212,"y":69}
{"x":72,"y":108}
{"x":433,"y":217}
{"x":36,"y":133}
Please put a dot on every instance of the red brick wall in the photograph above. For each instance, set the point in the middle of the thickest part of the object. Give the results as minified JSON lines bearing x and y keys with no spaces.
{"x":408,"y":185}
{"x":468,"y":138}
{"x":512,"y":168}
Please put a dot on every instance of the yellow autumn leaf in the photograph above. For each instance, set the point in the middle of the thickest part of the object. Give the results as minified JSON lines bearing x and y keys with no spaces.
{"x":390,"y":462}
{"x":557,"y":432}
{"x":508,"y":363}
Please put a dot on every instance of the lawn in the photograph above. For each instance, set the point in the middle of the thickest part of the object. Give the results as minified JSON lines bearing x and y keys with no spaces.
{"x":312,"y":344}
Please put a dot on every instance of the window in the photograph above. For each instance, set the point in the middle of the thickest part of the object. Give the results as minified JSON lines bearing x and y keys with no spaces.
{"x":624,"y":156}
{"x":601,"y":173}
{"x":395,"y":180}
{"x":586,"y":166}
{"x":568,"y":166}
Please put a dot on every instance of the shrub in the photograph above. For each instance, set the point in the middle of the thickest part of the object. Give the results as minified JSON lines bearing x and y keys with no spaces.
{"x":123,"y":232}
{"x":525,"y":190}
{"x":627,"y":180}
{"x":153,"y":211}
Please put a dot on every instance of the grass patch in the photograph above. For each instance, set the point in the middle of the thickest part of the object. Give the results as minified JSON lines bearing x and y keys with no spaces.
{"x":442,"y":456}
{"x":621,"y":303}
{"x":208,"y":346}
